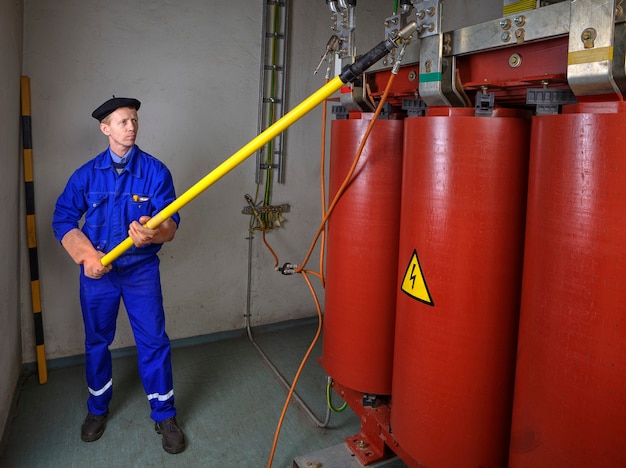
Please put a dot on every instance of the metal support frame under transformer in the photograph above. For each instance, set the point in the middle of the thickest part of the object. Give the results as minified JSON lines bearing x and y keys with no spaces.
{"x":340,"y":456}
{"x":375,"y":443}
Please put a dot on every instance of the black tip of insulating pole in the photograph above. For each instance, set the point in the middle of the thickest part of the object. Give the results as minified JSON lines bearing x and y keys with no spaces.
{"x":352,"y":71}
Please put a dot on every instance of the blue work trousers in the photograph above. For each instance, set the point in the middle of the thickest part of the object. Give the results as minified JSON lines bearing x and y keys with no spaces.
{"x":140,"y":288}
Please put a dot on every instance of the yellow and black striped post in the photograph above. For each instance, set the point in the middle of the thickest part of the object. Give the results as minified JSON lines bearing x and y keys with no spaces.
{"x":31,"y":232}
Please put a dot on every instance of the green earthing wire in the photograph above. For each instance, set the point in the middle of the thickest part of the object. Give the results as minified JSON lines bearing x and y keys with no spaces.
{"x":330,"y":403}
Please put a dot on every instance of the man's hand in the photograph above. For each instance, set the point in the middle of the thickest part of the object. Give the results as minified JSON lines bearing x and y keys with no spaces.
{"x":142,"y":235}
{"x":93,"y":267}
{"x":83,"y":253}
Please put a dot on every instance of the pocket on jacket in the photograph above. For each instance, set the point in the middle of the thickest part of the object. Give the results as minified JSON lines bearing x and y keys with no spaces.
{"x":140,"y":205}
{"x":96,"y":215}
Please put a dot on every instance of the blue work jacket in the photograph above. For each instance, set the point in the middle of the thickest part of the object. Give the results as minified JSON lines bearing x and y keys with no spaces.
{"x":110,"y":201}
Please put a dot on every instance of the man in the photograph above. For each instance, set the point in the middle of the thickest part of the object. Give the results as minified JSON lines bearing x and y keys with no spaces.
{"x":117,"y":192}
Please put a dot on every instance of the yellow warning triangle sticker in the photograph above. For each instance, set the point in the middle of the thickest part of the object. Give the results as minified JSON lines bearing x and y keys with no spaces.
{"x":414,"y":283}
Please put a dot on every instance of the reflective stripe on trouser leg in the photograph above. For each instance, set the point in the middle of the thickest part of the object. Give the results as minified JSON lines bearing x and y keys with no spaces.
{"x":100,"y":302}
{"x":141,"y":292}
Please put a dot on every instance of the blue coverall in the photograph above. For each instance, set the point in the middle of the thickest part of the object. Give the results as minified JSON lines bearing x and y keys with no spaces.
{"x":110,"y":201}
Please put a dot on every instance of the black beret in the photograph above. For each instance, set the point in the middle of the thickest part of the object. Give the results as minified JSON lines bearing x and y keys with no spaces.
{"x":114,"y":103}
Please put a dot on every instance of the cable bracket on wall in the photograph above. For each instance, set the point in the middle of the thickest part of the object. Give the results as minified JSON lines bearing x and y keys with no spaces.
{"x":284,"y":208}
{"x":266,"y":217}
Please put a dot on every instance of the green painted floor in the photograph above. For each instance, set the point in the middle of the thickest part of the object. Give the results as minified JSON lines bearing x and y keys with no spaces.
{"x":228,"y":400}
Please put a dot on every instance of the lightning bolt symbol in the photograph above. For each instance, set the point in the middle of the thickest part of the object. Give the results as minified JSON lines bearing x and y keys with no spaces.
{"x":412,"y":277}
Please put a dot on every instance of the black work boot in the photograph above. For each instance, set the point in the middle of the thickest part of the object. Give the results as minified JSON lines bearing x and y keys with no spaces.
{"x":93,"y":427}
{"x":173,"y":437}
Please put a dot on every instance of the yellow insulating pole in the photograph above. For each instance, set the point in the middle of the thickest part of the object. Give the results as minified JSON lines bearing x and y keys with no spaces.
{"x":258,"y":142}
{"x":348,"y":74}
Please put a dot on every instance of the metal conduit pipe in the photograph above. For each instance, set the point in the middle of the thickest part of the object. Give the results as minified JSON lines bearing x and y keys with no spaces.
{"x":281,"y":379}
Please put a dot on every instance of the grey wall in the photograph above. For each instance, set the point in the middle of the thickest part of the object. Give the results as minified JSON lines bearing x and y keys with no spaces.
{"x":10,"y":340}
{"x":194,"y":64}
{"x":195,"y":67}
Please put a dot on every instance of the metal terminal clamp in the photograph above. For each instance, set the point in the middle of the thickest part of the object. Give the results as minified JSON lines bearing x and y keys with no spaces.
{"x":287,"y":269}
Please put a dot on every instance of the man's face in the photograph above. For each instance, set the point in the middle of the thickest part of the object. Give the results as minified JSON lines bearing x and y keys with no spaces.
{"x":121,"y":126}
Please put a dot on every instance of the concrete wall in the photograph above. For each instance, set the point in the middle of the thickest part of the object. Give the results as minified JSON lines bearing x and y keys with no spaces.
{"x":10,"y":189}
{"x":194,"y":64}
{"x":195,"y":67}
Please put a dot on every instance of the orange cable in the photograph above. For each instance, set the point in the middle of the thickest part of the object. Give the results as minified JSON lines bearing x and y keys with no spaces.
{"x":346,"y":181}
{"x":270,"y":249}
{"x":304,"y":272}
{"x":300,"y":368}
{"x":320,"y":275}
{"x":323,"y":190}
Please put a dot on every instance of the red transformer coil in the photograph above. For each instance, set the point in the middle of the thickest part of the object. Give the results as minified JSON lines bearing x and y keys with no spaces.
{"x":359,"y":307}
{"x":570,"y":389}
{"x":460,"y":272}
